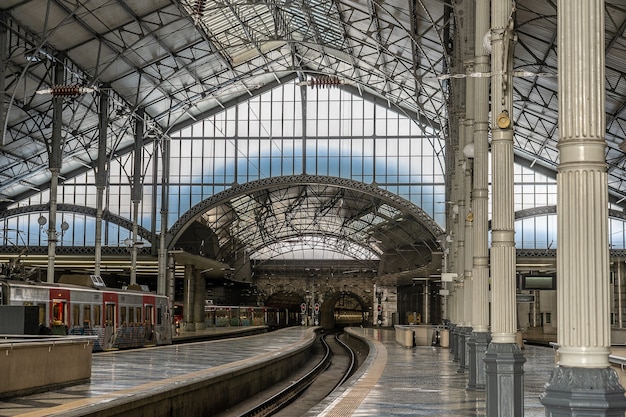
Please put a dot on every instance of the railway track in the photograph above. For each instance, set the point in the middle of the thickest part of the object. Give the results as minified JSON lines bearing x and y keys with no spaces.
{"x":336,"y":363}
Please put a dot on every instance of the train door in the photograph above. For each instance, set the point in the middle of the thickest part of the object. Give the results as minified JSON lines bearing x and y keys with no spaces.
{"x":109,"y":307}
{"x":59,"y":310}
{"x":149,"y":318}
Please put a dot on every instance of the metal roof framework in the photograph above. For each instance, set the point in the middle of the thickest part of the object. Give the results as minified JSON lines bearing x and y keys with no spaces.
{"x":181,"y":60}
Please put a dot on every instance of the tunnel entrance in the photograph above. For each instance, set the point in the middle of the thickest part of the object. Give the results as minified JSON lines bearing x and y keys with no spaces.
{"x":344,"y":309}
{"x":286,"y":306}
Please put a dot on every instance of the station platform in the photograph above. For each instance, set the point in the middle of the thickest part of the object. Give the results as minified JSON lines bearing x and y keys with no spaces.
{"x":217,"y":333}
{"x":423,"y":380}
{"x":393,"y":380}
{"x":121,"y":375}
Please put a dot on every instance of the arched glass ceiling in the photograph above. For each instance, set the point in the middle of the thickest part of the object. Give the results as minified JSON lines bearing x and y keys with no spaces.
{"x":332,"y":220}
{"x":314,"y":247}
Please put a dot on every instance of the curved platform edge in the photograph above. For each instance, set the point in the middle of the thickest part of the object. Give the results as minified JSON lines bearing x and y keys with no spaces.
{"x":346,"y":398}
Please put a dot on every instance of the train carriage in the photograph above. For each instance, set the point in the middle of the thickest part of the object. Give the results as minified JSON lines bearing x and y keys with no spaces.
{"x":120,"y":318}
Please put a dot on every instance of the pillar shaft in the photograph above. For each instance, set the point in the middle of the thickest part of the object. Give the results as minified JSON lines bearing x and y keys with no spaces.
{"x":583,"y":383}
{"x":480,"y":271}
{"x":582,"y":201}
{"x":164,"y":280}
{"x":480,"y":338}
{"x":101,"y":174}
{"x":503,"y":358}
{"x":199,"y":300}
{"x":55,"y":151}
{"x":504,"y":325}
{"x":188,"y":306}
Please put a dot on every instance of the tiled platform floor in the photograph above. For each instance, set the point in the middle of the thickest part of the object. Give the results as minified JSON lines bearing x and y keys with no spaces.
{"x":423,"y":381}
{"x":118,"y":371}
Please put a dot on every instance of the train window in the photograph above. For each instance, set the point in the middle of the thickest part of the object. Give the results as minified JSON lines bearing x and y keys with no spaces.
{"x":109,"y":314}
{"x":96,"y":316}
{"x":131,"y":315}
{"x":76,"y":315}
{"x":86,"y":316}
{"x":149,"y":313}
{"x":138,"y":311}
{"x":158,"y":318}
{"x":123,"y":315}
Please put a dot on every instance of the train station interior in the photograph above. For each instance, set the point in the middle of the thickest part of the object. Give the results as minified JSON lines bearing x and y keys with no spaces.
{"x":363,"y":163}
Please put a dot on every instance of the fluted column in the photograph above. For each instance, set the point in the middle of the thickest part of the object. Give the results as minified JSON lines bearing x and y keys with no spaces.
{"x":583,"y":382}
{"x":459,"y":211}
{"x":503,"y":359}
{"x":466,"y":217}
{"x":480,"y":263}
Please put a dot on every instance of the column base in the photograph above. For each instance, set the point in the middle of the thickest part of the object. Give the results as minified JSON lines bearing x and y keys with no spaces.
{"x":477,"y":345}
{"x":504,"y":380}
{"x":583,"y":392}
{"x":454,"y":334}
{"x":464,"y":334}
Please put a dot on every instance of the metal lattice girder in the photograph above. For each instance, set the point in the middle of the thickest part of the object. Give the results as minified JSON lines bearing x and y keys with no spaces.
{"x":313,"y":211}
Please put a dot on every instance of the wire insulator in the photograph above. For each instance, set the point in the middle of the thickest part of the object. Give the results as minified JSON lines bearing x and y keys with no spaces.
{"x":198,"y":8}
{"x":327,"y":81}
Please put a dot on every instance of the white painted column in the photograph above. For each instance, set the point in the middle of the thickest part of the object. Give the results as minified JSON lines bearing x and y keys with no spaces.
{"x":583,"y":383}
{"x":480,"y":271}
{"x":504,"y":322}
{"x":582,"y":199}
{"x":503,"y":359}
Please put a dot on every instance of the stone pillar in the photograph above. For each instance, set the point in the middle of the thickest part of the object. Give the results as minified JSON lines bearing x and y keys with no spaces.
{"x":199,"y":297}
{"x":503,"y":360}
{"x":583,"y":383}
{"x":480,"y":338}
{"x":188,"y":302}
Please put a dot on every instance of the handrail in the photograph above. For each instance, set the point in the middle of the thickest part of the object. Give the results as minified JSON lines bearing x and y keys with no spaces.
{"x":26,"y":340}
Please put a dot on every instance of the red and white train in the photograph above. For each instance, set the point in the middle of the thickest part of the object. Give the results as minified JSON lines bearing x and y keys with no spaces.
{"x":120,"y":318}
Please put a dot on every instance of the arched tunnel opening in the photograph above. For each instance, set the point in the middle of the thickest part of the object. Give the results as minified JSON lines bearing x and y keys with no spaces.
{"x":286,"y":308}
{"x":344,"y":309}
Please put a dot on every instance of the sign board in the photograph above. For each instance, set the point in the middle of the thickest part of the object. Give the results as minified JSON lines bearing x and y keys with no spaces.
{"x":448,"y":276}
{"x":444,"y":292}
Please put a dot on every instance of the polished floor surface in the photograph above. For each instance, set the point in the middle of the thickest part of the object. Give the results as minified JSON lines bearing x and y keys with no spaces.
{"x":421,"y":381}
{"x":424,"y":381}
{"x":121,"y":370}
